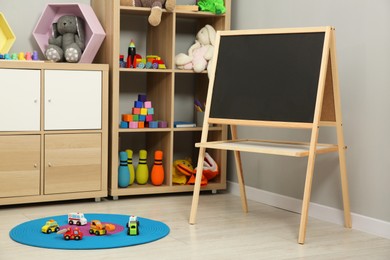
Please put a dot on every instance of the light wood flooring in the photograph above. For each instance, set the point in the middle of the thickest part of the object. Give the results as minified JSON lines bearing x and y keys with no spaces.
{"x":222,"y":231}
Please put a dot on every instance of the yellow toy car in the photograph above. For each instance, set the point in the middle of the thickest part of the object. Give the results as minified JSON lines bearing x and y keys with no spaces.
{"x":50,"y":226}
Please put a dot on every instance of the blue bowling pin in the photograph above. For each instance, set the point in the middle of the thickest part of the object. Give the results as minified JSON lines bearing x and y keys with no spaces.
{"x":123,"y":171}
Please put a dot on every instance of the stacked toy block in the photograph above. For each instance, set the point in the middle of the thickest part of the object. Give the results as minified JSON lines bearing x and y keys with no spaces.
{"x":141,"y":116}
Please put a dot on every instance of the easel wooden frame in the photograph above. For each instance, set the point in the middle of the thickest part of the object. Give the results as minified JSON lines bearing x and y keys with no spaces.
{"x":327,"y":113}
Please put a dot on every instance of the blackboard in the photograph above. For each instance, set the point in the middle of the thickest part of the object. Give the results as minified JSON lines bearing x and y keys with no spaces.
{"x":267,"y":77}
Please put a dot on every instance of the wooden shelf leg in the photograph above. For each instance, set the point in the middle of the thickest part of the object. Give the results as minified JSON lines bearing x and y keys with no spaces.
{"x":198,"y":179}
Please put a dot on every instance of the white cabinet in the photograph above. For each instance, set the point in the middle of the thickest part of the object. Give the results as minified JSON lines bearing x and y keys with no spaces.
{"x":53,"y":131}
{"x":20,"y":100}
{"x":72,"y":99}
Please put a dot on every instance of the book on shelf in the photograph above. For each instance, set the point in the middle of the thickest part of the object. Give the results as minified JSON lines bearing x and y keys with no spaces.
{"x":179,"y":124}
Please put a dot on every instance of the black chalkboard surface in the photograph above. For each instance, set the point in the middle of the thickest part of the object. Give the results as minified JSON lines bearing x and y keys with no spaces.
{"x":267,"y":77}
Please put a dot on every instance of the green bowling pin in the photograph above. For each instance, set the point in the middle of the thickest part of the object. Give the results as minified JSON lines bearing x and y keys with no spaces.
{"x":142,"y":173}
{"x":130,"y":165}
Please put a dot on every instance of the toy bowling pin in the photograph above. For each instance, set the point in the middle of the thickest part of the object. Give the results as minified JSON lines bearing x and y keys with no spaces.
{"x":142,"y":173}
{"x":130,"y":165}
{"x":123,"y":171}
{"x":157,"y":174}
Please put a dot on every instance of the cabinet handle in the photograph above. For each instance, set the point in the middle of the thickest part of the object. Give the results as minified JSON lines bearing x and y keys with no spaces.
{"x":49,"y":100}
{"x":49,"y":164}
{"x":35,"y":165}
{"x":35,"y":101}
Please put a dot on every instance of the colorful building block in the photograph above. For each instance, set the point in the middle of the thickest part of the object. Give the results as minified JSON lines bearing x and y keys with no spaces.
{"x":136,"y":111}
{"x":151,"y":111}
{"x":138,"y":104}
{"x":141,"y":124}
{"x":147,"y":104}
{"x":135,"y":118}
{"x":141,"y":118}
{"x":127,"y":117}
{"x":149,"y":118}
{"x":144,"y":111}
{"x":124,"y":124}
{"x":133,"y":125}
{"x":153,"y":124}
{"x":162,"y":124}
{"x":141,"y":97}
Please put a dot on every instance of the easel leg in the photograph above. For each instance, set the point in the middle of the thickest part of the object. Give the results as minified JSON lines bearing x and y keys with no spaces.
{"x":240,"y":176}
{"x":198,"y":179}
{"x":308,"y":185}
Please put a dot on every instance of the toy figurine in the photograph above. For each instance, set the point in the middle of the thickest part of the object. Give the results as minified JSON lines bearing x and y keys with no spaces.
{"x":131,"y":52}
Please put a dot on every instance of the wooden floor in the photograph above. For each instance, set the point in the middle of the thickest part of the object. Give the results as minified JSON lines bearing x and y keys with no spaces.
{"x":222,"y":231}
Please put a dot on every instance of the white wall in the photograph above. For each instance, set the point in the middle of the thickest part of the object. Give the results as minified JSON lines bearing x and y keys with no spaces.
{"x":363,"y":48}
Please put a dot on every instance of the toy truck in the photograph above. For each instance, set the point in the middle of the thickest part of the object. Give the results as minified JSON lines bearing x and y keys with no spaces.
{"x":71,"y":234}
{"x":77,"y":218}
{"x":99,"y":228}
{"x":133,"y":226}
{"x":50,"y":226}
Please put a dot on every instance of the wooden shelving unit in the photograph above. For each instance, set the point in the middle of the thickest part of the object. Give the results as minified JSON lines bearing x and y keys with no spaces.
{"x":172,"y":91}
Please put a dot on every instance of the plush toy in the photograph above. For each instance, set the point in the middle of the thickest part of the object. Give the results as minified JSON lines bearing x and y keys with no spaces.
{"x":156,"y":6}
{"x":210,"y":171}
{"x":182,"y":169}
{"x":200,"y":53}
{"x":214,"y":6}
{"x":67,"y":41}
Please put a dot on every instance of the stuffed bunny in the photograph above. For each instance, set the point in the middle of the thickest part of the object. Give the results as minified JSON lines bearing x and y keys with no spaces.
{"x":69,"y":44}
{"x":156,"y":5}
{"x":200,"y":53}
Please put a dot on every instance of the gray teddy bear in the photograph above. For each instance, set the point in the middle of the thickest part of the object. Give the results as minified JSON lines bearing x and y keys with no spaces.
{"x":67,"y":41}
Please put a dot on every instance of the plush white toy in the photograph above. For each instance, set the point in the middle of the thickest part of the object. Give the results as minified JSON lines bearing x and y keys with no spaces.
{"x":200,"y":53}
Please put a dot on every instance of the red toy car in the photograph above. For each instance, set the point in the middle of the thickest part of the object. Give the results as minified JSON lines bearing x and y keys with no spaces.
{"x":72,"y":234}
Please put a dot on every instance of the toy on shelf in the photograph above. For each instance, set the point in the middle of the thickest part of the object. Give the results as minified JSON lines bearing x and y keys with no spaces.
{"x":71,"y":234}
{"x":130,"y":165}
{"x":182,"y":170}
{"x":77,"y":219}
{"x":200,"y":53}
{"x":131,"y":52}
{"x":50,"y":226}
{"x":67,"y":40}
{"x":21,"y":56}
{"x":157,"y":173}
{"x":141,"y":116}
{"x":214,"y":6}
{"x":142,"y":172}
{"x":156,"y":8}
{"x":123,"y":171}
{"x":133,"y":226}
{"x":100,"y":229}
{"x":210,"y":170}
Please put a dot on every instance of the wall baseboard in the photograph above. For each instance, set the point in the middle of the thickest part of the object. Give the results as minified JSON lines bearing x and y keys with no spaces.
{"x":359,"y":222}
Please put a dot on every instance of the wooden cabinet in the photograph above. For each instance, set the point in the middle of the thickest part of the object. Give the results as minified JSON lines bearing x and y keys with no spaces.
{"x":61,"y":152}
{"x":20,"y":100}
{"x":172,"y":91}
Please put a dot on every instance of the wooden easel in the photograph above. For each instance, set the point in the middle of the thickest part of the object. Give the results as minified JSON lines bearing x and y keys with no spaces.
{"x":327,"y":112}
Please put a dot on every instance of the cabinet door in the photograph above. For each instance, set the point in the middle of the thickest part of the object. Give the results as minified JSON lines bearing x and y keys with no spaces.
{"x":19,"y":100}
{"x":72,"y":163}
{"x":73,"y":99}
{"x":19,"y":165}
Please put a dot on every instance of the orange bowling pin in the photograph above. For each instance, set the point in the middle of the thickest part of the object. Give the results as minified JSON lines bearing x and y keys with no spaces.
{"x":157,"y":174}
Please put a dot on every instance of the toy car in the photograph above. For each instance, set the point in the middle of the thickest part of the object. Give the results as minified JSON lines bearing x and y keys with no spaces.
{"x":77,"y":218}
{"x":133,"y":226}
{"x":71,"y":234}
{"x":99,"y":229}
{"x":50,"y":226}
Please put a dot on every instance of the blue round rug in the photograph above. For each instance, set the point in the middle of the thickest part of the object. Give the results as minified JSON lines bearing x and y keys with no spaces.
{"x":29,"y":233}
